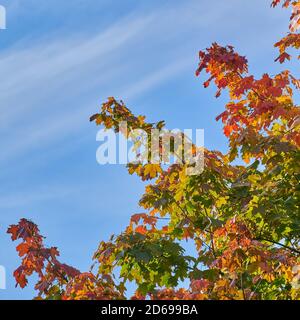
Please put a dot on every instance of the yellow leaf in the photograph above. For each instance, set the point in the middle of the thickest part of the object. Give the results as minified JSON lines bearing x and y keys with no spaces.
{"x":152,"y":170}
{"x":221,"y":201}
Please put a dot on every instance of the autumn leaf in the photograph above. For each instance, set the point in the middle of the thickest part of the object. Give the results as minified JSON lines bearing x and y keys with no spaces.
{"x":141,"y":230}
{"x":22,"y":248}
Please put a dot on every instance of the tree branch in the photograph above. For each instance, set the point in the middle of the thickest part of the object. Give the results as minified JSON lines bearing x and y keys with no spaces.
{"x":279,"y":244}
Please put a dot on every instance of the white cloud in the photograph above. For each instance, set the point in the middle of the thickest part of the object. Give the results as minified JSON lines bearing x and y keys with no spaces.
{"x":50,"y":88}
{"x":26,"y":70}
{"x":35,"y":196}
{"x":40,"y":98}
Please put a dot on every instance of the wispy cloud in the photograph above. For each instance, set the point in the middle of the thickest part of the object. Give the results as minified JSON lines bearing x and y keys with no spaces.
{"x":156,"y":77}
{"x":35,"y":196}
{"x":50,"y":88}
{"x":32,"y":68}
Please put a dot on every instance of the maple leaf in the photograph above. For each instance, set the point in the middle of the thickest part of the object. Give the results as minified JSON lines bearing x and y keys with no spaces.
{"x":141,"y":230}
{"x":227,"y":130}
{"x":136,"y":217}
{"x":284,"y":56}
{"x":23,"y":249}
{"x":152,"y":170}
{"x":14,"y":231}
{"x":69,"y":271}
{"x":20,"y":277}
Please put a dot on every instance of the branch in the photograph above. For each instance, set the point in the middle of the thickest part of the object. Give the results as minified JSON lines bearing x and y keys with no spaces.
{"x":279,"y":244}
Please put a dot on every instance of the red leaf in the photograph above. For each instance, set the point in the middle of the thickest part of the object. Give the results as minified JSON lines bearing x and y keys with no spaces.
{"x":227,"y":130}
{"x":14,"y":231}
{"x":141,"y":230}
{"x":22,"y":248}
{"x":20,"y":277}
{"x":284,"y":56}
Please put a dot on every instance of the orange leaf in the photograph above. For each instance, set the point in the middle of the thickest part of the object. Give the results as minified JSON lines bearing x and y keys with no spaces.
{"x":141,"y":230}
{"x":227,"y":130}
{"x":22,"y":248}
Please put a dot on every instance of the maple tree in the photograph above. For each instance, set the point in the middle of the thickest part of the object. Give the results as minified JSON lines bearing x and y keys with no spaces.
{"x":242,"y":219}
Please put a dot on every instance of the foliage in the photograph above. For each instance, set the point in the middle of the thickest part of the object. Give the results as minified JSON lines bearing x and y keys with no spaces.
{"x":242,"y":219}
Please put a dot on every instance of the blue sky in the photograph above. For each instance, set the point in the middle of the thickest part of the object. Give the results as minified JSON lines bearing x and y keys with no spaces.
{"x":60,"y":59}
